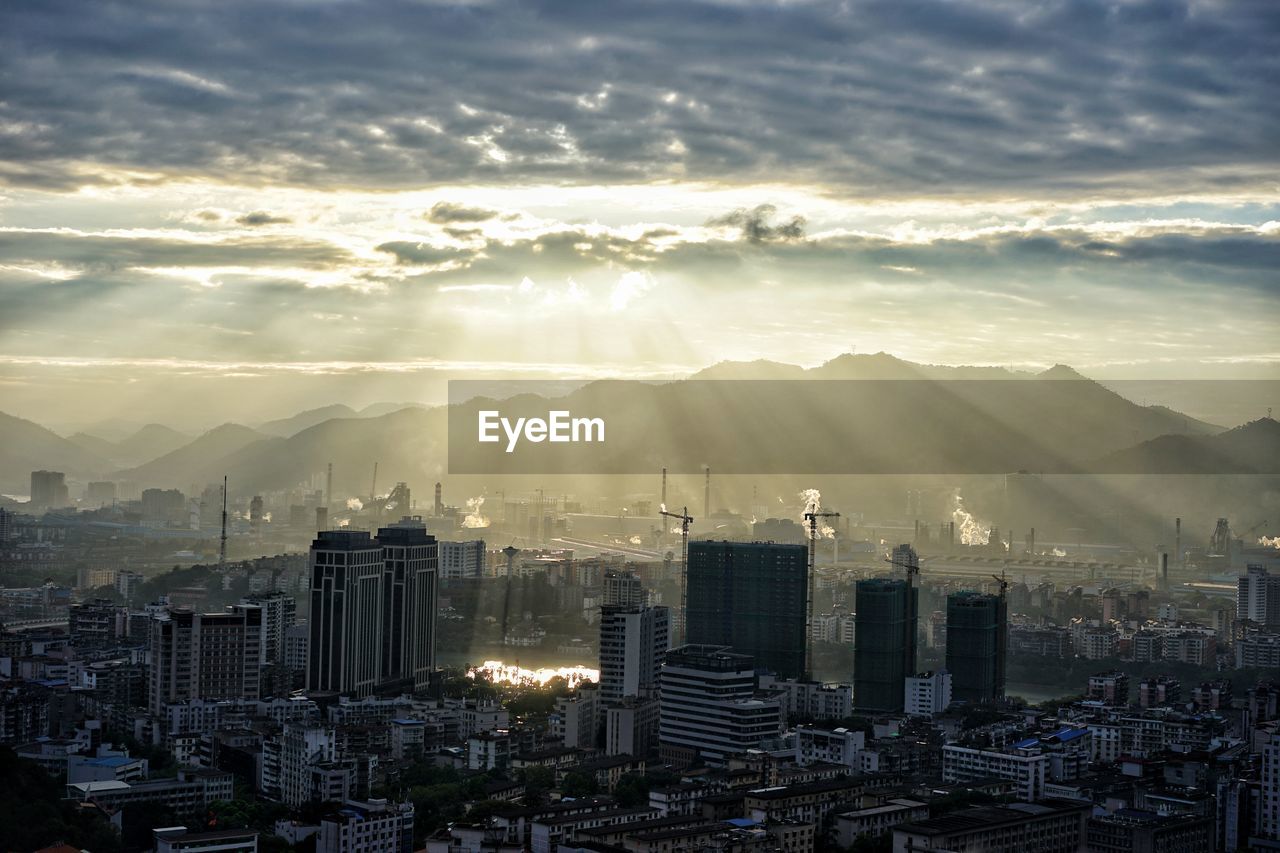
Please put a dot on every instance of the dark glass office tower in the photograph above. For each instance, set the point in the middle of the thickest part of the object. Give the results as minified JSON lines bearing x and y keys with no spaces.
{"x":750,"y":596}
{"x":976,"y":637}
{"x":884,"y":642}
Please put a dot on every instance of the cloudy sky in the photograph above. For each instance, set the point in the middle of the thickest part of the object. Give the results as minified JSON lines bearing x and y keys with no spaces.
{"x":256,"y":206}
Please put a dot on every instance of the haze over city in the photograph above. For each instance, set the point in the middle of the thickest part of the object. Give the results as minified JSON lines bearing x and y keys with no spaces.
{"x":642,"y":426}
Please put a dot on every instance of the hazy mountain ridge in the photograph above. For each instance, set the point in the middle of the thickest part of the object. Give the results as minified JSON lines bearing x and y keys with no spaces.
{"x":1253,"y":448}
{"x":26,"y":446}
{"x":920,"y":425}
{"x":148,"y":442}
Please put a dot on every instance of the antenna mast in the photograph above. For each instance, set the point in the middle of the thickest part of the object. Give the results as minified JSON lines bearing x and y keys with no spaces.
{"x":222,"y":545}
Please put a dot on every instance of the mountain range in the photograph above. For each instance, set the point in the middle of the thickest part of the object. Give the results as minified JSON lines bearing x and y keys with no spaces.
{"x":985,"y":423}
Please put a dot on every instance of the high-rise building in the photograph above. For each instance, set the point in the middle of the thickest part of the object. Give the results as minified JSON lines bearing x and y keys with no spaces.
{"x":344,"y":653}
{"x":709,"y":708}
{"x":1258,"y":597}
{"x":928,"y":693}
{"x":977,"y":630}
{"x":410,"y":563}
{"x":750,"y":596}
{"x":279,"y":613}
{"x":884,"y":652}
{"x":205,"y":655}
{"x":100,"y":493}
{"x":373,"y":604}
{"x":461,"y":559}
{"x":1269,"y":791}
{"x":48,"y":489}
{"x":633,"y":644}
{"x":623,"y":589}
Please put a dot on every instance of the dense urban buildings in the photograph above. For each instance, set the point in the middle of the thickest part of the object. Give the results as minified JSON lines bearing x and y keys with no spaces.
{"x":751,"y":597}
{"x":709,"y":706}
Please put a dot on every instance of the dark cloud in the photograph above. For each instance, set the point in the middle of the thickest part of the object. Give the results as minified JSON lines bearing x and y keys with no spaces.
{"x":446,"y":212}
{"x":870,"y":96}
{"x":98,"y":252}
{"x":421,"y":253}
{"x":261,"y":217}
{"x":757,"y":227}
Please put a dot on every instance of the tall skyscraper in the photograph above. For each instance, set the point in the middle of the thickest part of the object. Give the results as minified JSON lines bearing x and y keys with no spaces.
{"x":709,"y":707}
{"x":977,"y":630}
{"x":750,"y":596}
{"x":344,"y":653}
{"x":884,"y":653}
{"x":410,"y":566}
{"x":633,"y":644}
{"x":373,"y":603}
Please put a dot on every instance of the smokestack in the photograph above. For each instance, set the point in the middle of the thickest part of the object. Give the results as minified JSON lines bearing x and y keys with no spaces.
{"x":664,"y":487}
{"x":916,"y":539}
{"x":1164,"y":572}
{"x":706,"y":495}
{"x":951,"y":534}
{"x":322,"y":518}
{"x":1031,"y":542}
{"x":1177,"y":541}
{"x":328,"y":488}
{"x":439,"y":500}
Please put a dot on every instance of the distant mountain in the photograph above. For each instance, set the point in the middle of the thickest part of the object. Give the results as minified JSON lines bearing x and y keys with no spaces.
{"x":147,"y":443}
{"x":1253,"y":448}
{"x":285,"y":427}
{"x":199,"y":462}
{"x":408,"y":444}
{"x":880,"y":365}
{"x":374,"y":410}
{"x":98,"y":446}
{"x":27,"y":447}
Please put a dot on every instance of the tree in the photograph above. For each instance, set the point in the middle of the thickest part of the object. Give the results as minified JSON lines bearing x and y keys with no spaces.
{"x":579,"y":784}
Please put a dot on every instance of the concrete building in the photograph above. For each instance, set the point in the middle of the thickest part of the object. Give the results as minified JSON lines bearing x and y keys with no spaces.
{"x":178,"y":839}
{"x":1054,"y":826}
{"x":375,"y":826}
{"x":817,"y":745}
{"x":204,"y":656}
{"x":633,"y":643}
{"x":1026,"y":768}
{"x":461,"y":559}
{"x":1258,"y":597}
{"x":1136,"y":831}
{"x":928,"y":693}
{"x":709,"y":707}
{"x":752,"y":597}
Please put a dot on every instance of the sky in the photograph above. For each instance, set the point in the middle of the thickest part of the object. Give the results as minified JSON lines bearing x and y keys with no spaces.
{"x":228,"y":208}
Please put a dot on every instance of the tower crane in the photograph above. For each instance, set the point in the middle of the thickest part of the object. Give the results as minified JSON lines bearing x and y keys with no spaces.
{"x":685,"y":520}
{"x":812,"y":518}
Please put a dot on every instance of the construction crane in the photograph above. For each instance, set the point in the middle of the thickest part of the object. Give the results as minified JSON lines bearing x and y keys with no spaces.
{"x":685,"y":520}
{"x":1004,"y":584}
{"x":812,"y":518}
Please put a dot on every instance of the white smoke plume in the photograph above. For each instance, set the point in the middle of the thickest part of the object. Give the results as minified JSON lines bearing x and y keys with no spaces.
{"x":813,"y":503}
{"x":971,"y":531}
{"x":355,"y":504}
{"x":636,"y":540}
{"x":474,"y":518}
{"x":1269,"y":541}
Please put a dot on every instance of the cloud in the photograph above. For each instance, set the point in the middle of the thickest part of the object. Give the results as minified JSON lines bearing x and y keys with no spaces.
{"x":445,"y":212}
{"x":261,"y":217}
{"x":756,"y":227}
{"x":871,"y":98}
